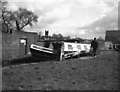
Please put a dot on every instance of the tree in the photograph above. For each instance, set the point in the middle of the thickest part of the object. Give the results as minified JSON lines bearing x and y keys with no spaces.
{"x":18,"y":19}
{"x":2,"y":6}
{"x":40,"y":33}
{"x":60,"y":36}
{"x":54,"y":36}
{"x":23,"y":17}
{"x":4,"y":16}
{"x":67,"y":38}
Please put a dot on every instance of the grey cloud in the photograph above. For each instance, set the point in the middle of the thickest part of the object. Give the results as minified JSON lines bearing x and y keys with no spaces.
{"x":110,"y":21}
{"x":99,"y":27}
{"x":44,"y":23}
{"x":110,"y":4}
{"x":49,"y":21}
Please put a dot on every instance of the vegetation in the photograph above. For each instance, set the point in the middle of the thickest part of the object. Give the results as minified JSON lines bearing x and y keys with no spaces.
{"x":16,"y":20}
{"x":57,"y":36}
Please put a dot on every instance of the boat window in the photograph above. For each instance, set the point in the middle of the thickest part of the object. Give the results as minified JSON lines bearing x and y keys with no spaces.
{"x":79,"y":47}
{"x":85,"y":47}
{"x":70,"y":47}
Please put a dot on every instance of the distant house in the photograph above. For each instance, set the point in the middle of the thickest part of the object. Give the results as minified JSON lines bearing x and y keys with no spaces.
{"x":108,"y":45}
{"x":113,"y":38}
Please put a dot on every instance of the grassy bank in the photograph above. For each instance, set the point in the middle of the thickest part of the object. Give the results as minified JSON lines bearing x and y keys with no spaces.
{"x":100,"y":73}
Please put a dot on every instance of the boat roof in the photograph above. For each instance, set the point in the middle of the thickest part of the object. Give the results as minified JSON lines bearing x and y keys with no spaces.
{"x":70,"y":40}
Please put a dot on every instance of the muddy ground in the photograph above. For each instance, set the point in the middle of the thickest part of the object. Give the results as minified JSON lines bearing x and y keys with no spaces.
{"x":100,"y":73}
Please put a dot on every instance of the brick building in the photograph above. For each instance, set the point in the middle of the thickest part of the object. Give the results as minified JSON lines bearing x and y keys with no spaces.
{"x":14,"y":45}
{"x":113,"y":36}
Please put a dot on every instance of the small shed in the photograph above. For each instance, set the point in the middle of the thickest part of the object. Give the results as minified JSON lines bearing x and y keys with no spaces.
{"x":108,"y":45}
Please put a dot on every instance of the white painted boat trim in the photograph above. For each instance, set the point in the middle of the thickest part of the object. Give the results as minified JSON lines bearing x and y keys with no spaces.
{"x":41,"y":48}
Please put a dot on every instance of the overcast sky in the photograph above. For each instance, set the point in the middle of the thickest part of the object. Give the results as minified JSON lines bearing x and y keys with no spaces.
{"x":81,"y":18}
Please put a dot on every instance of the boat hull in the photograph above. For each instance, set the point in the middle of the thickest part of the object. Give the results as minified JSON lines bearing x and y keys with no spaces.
{"x":43,"y":55}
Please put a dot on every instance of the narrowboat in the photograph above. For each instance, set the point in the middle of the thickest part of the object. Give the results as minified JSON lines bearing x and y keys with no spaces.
{"x":59,"y":50}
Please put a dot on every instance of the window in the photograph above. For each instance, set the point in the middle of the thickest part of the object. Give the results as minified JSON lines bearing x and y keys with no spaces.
{"x":79,"y":47}
{"x":70,"y":47}
{"x":85,"y":47}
